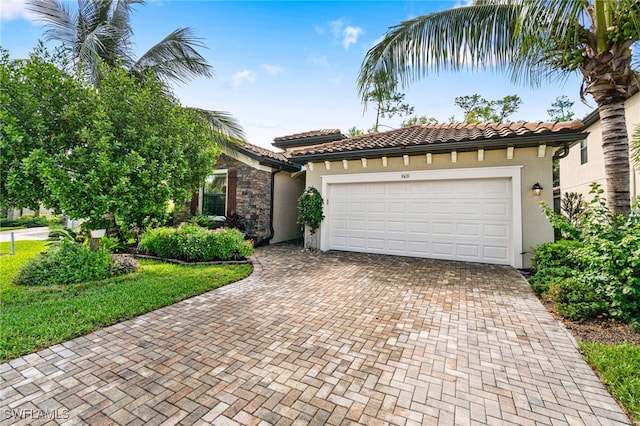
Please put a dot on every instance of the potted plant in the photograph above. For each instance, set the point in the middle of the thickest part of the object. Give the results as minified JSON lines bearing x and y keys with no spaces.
{"x":98,"y":227}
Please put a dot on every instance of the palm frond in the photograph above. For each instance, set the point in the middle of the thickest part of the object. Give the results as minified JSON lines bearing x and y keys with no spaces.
{"x":473,"y":37}
{"x":59,"y":20}
{"x":635,"y":146}
{"x":175,"y":58}
{"x":225,"y":129}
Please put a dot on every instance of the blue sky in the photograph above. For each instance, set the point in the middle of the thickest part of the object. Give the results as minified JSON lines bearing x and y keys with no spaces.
{"x":288,"y":67}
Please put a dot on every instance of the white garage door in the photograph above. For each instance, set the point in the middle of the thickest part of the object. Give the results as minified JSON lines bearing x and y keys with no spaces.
{"x":461,"y":219}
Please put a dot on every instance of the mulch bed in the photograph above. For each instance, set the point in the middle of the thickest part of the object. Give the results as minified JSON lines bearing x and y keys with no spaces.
{"x":601,"y":330}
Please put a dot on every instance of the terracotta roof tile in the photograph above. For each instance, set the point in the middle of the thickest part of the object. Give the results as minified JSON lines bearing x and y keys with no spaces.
{"x":262,"y":152}
{"x":310,"y":134}
{"x":428,"y":134}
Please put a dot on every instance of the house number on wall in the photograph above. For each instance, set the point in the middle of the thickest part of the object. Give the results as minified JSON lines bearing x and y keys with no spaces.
{"x":405,"y":175}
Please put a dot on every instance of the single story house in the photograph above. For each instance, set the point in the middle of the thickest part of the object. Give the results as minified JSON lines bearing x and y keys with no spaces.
{"x":260,"y":186}
{"x":447,"y":191}
{"x":584,"y":163}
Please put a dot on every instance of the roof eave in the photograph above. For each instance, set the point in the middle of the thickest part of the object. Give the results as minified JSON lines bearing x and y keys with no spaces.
{"x":557,"y":139}
{"x":272,"y":162}
{"x":311,"y":140}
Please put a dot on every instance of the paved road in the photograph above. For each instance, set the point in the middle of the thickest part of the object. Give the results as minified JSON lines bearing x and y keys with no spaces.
{"x":39,"y":233}
{"x":337,"y":338}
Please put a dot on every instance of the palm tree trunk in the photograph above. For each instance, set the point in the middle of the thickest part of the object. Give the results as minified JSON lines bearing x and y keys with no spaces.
{"x":615,"y":147}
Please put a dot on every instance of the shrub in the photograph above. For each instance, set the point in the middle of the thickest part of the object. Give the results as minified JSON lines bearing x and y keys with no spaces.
{"x":65,"y":263}
{"x":606,"y":258}
{"x":553,"y":255}
{"x":205,"y":222}
{"x":548,"y":277}
{"x":196,"y":244}
{"x":29,"y":221}
{"x":578,"y":299}
{"x":121,"y":264}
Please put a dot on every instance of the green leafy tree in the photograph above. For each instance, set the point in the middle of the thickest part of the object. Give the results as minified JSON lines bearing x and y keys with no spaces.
{"x":42,"y":111}
{"x":479,"y":110}
{"x":388,"y":102}
{"x":125,"y":150}
{"x":561,"y":109}
{"x":354,"y":131}
{"x":421,"y":119}
{"x":531,"y":40}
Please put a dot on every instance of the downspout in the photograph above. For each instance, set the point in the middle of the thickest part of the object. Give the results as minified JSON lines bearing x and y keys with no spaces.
{"x":265,"y":241}
{"x":561,"y":154}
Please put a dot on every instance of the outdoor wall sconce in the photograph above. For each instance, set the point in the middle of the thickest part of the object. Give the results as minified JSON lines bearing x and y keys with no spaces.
{"x":536,"y":189}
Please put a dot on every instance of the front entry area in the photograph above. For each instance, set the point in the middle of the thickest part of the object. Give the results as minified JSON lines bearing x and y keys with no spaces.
{"x":472,"y":217}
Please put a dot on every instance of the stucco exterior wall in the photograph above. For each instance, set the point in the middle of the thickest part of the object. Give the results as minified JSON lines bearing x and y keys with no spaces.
{"x":287,"y":190}
{"x":576,"y":177}
{"x":536,"y":228}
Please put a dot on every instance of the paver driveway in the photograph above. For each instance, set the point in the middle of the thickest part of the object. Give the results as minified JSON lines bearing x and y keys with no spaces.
{"x":334,"y":338}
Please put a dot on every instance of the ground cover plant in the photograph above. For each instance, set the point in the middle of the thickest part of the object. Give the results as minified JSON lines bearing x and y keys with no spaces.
{"x":192,"y":243}
{"x":33,"y":317}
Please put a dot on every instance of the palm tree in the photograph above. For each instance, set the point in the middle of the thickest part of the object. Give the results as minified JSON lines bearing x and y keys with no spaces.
{"x":530,"y":40}
{"x":99,"y":31}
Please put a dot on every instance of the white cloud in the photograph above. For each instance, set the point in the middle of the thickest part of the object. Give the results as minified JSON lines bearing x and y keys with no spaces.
{"x":15,"y":9}
{"x":337,"y":26}
{"x":265,"y":124}
{"x":463,"y":3}
{"x":351,"y":35}
{"x":273,"y":69}
{"x":241,"y":77}
{"x":336,"y":81}
{"x":319,"y":60}
{"x":343,"y":32}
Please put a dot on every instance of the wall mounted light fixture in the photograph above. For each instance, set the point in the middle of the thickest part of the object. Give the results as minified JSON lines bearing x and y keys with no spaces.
{"x":536,"y":189}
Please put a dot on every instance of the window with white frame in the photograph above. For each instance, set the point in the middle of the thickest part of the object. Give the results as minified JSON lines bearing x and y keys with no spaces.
{"x":214,"y":194}
{"x":584,"y":157}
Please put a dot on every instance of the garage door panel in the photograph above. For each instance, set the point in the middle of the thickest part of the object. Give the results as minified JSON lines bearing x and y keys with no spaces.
{"x":468,"y":251}
{"x":468,"y":229}
{"x":495,"y":230}
{"x":397,"y":207}
{"x":396,"y":226}
{"x":442,"y":208}
{"x":419,"y":227}
{"x":376,"y":207}
{"x":419,"y":207}
{"x":458,"y":219}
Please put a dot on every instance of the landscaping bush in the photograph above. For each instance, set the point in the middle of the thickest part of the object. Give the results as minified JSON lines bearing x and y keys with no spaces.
{"x":29,"y":221}
{"x":65,"y":263}
{"x":549,"y":277}
{"x":553,"y":255}
{"x":205,"y":222}
{"x":605,"y":260}
{"x":578,"y":299}
{"x":196,"y":244}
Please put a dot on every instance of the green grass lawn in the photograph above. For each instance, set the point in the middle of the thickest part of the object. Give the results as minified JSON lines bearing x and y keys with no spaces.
{"x":35,"y":317}
{"x":11,"y":228}
{"x":619,"y":368}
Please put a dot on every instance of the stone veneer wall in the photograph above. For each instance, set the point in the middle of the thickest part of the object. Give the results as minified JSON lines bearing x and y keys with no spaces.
{"x":253,"y":196}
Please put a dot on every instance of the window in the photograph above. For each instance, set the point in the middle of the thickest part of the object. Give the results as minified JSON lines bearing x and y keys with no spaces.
{"x":583,"y":152}
{"x":214,"y":195}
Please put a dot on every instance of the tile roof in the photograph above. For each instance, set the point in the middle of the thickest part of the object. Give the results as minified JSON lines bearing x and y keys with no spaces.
{"x":439,"y":135}
{"x":259,"y":152}
{"x":310,"y":134}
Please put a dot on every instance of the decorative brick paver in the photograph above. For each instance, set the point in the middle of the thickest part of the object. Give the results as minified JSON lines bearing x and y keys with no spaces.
{"x":333,"y":338}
